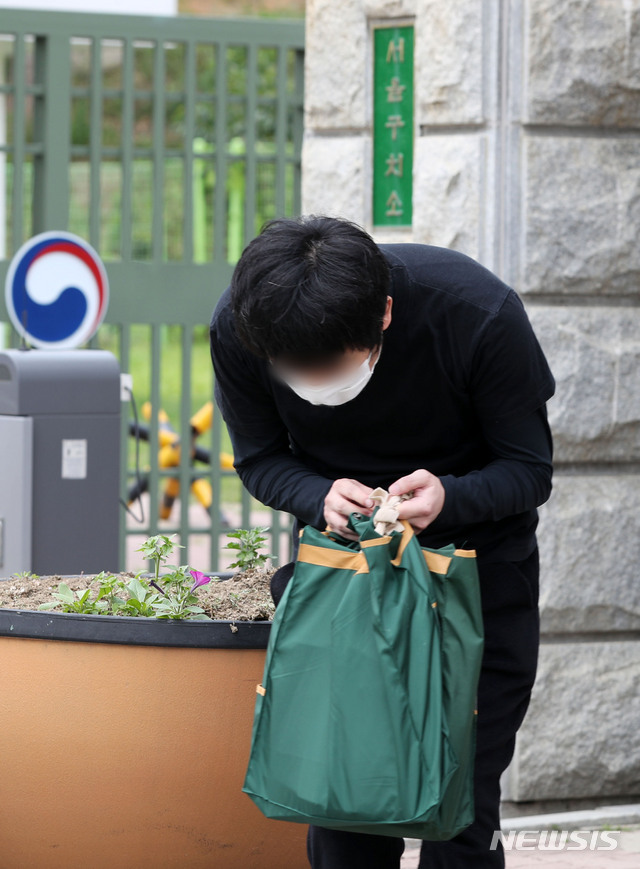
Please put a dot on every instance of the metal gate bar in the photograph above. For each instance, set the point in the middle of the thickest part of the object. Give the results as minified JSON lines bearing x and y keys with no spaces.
{"x":239,"y":81}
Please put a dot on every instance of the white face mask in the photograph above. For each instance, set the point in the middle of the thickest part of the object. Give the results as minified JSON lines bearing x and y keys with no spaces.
{"x":338,"y":391}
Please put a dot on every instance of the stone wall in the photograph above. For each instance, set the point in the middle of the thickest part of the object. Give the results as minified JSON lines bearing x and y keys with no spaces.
{"x":527,"y":157}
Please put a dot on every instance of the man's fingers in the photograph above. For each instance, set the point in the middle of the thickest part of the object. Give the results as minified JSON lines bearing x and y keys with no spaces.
{"x":346,"y":507}
{"x":426,"y":505}
{"x":354,"y":491}
{"x":345,"y":532}
{"x":414,"y":508}
{"x":337,"y":523}
{"x":413,"y":481}
{"x":341,"y":509}
{"x":348,"y":496}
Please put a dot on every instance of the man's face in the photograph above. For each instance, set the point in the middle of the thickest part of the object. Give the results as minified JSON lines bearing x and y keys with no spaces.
{"x":328,"y":372}
{"x":338,"y":368}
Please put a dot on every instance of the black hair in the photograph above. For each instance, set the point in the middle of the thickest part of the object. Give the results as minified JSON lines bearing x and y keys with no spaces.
{"x":307,"y":289}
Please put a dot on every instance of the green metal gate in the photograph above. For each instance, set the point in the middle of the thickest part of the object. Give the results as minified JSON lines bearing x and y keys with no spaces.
{"x":166,"y":143}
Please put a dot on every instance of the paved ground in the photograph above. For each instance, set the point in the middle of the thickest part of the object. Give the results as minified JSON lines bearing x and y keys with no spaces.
{"x":626,"y":856}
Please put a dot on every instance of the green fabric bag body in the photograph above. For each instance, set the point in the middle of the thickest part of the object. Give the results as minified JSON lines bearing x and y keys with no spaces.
{"x":366,"y":717}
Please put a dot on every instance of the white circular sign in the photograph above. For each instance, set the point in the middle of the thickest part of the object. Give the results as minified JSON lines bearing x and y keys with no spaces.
{"x":56,"y":291}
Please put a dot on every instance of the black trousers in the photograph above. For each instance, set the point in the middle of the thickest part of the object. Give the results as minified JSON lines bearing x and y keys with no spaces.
{"x":509,"y":592}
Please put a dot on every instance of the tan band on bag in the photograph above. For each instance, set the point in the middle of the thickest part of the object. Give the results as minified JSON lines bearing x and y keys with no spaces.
{"x":261,"y":690}
{"x":353,"y":560}
{"x":377,"y":541}
{"x":407,"y":534}
{"x":440,"y":563}
{"x":436,"y":562}
{"x":350,"y":559}
{"x":321,"y":557}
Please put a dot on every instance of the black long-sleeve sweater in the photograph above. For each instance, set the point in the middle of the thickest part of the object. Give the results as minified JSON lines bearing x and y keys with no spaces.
{"x":459,"y":389}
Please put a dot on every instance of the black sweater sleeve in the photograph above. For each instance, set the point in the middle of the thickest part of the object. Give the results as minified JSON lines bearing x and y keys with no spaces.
{"x":517,"y":479}
{"x":509,"y":381}
{"x":279,"y":480}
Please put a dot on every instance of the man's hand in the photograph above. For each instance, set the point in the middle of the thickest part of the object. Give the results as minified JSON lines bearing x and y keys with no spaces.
{"x":343,"y":498}
{"x":427,"y":501}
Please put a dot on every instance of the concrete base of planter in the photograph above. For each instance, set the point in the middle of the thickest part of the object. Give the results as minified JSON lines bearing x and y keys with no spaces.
{"x":117,"y":756}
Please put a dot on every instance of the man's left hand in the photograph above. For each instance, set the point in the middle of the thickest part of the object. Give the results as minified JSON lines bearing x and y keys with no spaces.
{"x":427,"y":501}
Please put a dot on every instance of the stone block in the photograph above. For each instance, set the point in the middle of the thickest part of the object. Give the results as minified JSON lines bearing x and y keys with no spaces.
{"x":449,"y":62}
{"x":583,"y":62}
{"x":590,"y":554}
{"x":336,"y":51}
{"x":336,"y":177}
{"x":447,"y":192}
{"x":581,"y":213}
{"x":594,"y":354}
{"x":380,"y":10}
{"x":580,"y":737}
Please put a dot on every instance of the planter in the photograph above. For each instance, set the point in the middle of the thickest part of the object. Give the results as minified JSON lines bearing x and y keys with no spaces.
{"x":125,"y":742}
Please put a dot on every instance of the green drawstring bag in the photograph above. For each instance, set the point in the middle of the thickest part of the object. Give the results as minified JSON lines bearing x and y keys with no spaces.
{"x":366,"y":716}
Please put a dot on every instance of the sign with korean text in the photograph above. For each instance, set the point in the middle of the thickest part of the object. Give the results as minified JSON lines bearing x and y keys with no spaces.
{"x":392,"y":126}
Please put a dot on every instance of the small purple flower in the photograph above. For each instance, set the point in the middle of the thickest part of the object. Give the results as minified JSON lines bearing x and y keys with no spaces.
{"x":198,"y":580}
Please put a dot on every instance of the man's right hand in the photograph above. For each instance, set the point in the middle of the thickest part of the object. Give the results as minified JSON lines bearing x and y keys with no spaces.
{"x":346,"y":497}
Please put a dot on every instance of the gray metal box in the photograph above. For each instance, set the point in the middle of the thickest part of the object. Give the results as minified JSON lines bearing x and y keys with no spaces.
{"x":59,"y":461}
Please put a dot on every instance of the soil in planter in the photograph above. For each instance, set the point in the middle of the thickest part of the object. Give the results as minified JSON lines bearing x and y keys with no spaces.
{"x":244,"y":597}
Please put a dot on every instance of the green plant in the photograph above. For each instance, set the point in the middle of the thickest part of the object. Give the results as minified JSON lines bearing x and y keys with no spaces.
{"x":172,"y":596}
{"x":158,"y":549}
{"x":180,"y":602}
{"x":76,"y":601}
{"x":247,"y":543}
{"x":24,"y":574}
{"x":112,"y":589}
{"x":141,"y":599}
{"x":139,"y":596}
